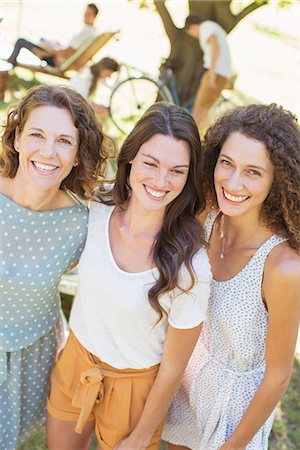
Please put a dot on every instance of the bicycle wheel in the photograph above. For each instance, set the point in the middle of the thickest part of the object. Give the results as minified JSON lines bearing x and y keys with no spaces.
{"x":130,"y":99}
{"x":225,"y":103}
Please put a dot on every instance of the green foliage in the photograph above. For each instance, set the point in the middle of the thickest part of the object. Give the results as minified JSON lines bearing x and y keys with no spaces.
{"x":36,"y":442}
{"x":286,"y":432}
{"x":285,"y":3}
{"x":66,"y":302}
{"x":268,"y":30}
{"x":143,"y":3}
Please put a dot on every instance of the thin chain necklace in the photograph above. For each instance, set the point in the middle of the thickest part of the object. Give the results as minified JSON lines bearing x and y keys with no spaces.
{"x":222,"y":238}
{"x":223,"y":250}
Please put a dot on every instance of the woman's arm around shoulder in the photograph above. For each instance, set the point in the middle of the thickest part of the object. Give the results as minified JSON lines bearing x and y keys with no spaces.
{"x":281,"y":294}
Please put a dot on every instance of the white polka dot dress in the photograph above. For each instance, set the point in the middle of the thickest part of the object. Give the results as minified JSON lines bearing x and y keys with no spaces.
{"x":228,"y":363}
{"x":36,"y":248}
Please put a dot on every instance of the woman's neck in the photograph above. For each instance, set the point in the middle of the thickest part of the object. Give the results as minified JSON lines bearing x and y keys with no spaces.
{"x":137,"y":220}
{"x":242,"y":230}
{"x":30,"y":198}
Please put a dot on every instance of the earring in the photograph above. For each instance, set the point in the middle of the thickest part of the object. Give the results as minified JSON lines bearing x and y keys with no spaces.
{"x":17,"y":148}
{"x":75,"y":165}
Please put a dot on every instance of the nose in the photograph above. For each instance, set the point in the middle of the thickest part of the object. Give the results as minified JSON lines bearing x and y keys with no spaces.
{"x":47,"y":148}
{"x":162,"y":179}
{"x":235,"y":181}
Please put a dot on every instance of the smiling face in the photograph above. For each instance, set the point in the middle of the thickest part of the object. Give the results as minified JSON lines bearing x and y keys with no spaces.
{"x":159,"y":171}
{"x":243,"y":175}
{"x":47,"y":148}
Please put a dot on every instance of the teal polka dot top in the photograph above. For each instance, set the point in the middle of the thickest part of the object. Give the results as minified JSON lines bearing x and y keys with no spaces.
{"x":36,"y":248}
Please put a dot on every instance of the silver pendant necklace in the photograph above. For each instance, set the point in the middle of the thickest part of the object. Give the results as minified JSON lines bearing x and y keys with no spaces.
{"x":234,"y":246}
{"x":221,"y":255}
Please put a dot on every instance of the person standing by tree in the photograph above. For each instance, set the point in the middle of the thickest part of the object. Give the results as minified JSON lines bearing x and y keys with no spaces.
{"x":217,"y":65}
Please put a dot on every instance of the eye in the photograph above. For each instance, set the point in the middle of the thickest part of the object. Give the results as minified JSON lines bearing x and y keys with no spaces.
{"x":36,"y":134}
{"x":224,"y":162}
{"x":65,"y":141}
{"x":149,"y":164}
{"x":177,"y":171}
{"x":254,"y":173}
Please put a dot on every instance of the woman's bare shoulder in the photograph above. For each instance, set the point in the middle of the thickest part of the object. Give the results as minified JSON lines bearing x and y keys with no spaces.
{"x":282,"y":266}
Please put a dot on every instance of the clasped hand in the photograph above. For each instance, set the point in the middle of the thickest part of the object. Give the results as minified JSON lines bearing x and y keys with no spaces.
{"x":129,"y":444}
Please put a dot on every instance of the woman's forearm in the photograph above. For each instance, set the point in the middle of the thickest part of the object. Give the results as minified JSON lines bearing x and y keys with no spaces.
{"x":263,"y":403}
{"x":157,"y":404}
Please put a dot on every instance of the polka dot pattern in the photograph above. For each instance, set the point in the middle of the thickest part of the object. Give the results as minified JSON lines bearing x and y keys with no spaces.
{"x":227,"y":365}
{"x":36,"y":248}
{"x":24,"y":393}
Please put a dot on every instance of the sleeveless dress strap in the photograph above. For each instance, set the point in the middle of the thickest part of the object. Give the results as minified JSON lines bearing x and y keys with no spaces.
{"x":259,"y":259}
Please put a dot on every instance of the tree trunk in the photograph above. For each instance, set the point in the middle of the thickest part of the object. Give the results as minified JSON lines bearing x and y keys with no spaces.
{"x":186,"y":57}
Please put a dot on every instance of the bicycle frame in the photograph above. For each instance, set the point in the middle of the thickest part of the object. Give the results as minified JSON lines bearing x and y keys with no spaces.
{"x":170,"y":83}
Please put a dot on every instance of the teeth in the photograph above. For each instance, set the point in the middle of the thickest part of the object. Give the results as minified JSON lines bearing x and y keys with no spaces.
{"x":155,"y":193}
{"x":235,"y":198}
{"x":44,"y":167}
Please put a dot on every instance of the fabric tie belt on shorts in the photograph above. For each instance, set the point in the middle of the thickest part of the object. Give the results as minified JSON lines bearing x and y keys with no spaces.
{"x":90,"y":389}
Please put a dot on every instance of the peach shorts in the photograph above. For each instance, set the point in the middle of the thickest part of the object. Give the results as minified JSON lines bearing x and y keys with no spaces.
{"x":83,"y":388}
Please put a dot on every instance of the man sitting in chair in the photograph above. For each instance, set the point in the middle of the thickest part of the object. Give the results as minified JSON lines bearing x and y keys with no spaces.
{"x":53,"y":52}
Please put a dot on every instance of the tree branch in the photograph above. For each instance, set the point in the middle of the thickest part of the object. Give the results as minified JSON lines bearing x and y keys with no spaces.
{"x":170,"y":28}
{"x":252,"y":7}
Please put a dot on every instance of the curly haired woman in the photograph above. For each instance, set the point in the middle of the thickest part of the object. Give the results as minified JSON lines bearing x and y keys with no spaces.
{"x":243,"y":360}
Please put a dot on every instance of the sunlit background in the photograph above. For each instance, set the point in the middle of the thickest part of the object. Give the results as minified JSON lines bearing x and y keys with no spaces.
{"x":265,"y":45}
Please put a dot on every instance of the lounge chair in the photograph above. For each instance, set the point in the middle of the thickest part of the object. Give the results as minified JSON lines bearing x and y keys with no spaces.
{"x":77,"y":60}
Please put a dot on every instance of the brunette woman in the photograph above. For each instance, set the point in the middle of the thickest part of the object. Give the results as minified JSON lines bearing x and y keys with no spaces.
{"x":144,"y":282}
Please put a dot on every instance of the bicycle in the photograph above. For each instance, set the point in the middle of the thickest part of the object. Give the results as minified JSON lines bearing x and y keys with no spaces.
{"x":131,"y":97}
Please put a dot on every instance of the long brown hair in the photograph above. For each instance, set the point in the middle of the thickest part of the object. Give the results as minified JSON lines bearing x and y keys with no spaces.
{"x":181,"y":235}
{"x":279,"y":131}
{"x":92,"y":148}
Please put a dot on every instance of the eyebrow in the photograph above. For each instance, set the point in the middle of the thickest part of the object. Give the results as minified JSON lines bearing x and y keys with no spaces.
{"x":157,"y":160}
{"x":61,"y":135}
{"x":248,"y":165}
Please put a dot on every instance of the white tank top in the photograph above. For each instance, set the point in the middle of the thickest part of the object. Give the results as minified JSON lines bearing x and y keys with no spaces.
{"x":111,"y":315}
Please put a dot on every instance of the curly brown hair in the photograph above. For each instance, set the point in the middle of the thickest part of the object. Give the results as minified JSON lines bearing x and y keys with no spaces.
{"x":92,"y":147}
{"x":181,"y":235}
{"x":279,"y":131}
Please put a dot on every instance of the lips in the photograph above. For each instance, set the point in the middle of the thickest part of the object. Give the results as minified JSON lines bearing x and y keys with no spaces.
{"x":235,"y":198}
